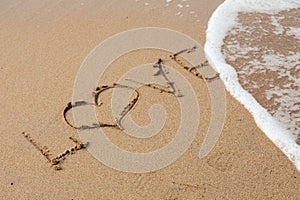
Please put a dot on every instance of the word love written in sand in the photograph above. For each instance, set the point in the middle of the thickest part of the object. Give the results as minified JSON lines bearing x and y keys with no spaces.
{"x":79,"y":145}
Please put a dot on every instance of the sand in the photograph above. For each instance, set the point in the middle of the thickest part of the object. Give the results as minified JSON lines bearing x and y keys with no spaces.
{"x":42,"y":48}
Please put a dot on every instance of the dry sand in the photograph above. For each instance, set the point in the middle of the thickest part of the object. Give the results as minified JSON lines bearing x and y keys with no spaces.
{"x":42,"y":47}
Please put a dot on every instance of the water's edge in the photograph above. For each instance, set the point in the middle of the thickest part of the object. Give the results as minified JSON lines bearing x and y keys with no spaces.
{"x":215,"y":34}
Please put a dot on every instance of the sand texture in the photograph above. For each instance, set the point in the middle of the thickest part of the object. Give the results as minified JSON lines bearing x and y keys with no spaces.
{"x":43,"y":44}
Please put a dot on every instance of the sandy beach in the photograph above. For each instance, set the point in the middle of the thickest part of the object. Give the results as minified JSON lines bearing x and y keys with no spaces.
{"x":43,"y":45}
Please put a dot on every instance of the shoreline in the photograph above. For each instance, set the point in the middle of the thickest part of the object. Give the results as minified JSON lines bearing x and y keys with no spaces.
{"x":40,"y":60}
{"x":272,"y":127}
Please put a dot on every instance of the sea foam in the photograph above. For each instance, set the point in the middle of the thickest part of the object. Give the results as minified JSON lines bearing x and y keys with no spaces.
{"x":224,"y":20}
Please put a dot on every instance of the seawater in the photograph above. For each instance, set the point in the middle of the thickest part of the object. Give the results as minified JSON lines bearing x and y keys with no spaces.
{"x":255,"y":46}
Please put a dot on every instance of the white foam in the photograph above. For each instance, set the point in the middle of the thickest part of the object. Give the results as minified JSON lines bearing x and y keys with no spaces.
{"x":179,"y":5}
{"x":222,"y":21}
{"x":294,"y":31}
{"x":279,"y":27}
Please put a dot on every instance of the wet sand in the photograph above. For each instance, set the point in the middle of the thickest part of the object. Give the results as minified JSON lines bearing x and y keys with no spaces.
{"x":268,"y":67}
{"x":43,"y":46}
